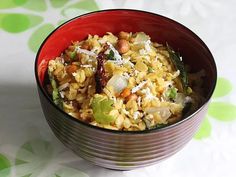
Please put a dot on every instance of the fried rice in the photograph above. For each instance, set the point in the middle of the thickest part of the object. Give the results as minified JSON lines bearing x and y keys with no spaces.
{"x":123,"y":82}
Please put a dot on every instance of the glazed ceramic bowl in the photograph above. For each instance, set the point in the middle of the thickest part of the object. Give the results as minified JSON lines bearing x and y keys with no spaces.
{"x":117,"y":149}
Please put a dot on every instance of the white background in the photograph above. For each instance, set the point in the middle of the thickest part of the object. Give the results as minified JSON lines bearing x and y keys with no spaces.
{"x":21,"y":117}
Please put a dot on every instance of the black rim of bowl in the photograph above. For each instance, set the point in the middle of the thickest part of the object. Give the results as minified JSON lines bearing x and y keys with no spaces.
{"x":120,"y":131}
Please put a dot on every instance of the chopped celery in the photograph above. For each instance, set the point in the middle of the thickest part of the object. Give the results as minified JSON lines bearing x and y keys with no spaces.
{"x":150,"y":69}
{"x":101,"y":107}
{"x":55,"y":93}
{"x":171,"y":93}
{"x":72,"y":55}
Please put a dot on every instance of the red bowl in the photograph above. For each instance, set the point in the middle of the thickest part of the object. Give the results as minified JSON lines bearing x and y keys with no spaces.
{"x":117,"y":149}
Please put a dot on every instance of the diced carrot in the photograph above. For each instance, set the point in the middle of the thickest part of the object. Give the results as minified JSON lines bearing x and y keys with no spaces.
{"x":125,"y":93}
{"x":71,"y":69}
{"x":132,"y":96}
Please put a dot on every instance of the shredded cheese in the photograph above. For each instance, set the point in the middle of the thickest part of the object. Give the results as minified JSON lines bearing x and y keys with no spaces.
{"x":136,"y":115}
{"x":138,"y":87}
{"x":143,"y":52}
{"x":176,"y":74}
{"x":128,"y":62}
{"x":63,"y":86}
{"x":87,"y":52}
{"x":62,"y":94}
{"x":148,"y":94}
{"x":126,"y":75}
{"x":147,"y":45}
{"x":86,"y":66}
{"x":139,"y":101}
{"x":74,"y":74}
{"x":162,"y":99}
{"x":136,"y":72}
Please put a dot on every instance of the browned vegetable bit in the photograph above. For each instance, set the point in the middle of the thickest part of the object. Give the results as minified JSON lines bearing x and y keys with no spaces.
{"x":123,"y":35}
{"x":123,"y":46}
{"x":100,"y":77}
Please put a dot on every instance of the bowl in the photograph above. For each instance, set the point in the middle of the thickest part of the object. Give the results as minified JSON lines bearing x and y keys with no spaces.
{"x":118,"y":149}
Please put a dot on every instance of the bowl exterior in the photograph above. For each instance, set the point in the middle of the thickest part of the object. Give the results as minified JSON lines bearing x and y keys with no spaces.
{"x":116,"y":150}
{"x":124,"y":150}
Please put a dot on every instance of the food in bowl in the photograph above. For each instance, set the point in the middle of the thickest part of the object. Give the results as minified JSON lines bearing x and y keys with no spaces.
{"x":123,"y":82}
{"x":117,"y":149}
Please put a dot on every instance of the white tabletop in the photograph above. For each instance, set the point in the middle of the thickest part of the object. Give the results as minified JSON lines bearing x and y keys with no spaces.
{"x":27,"y":145}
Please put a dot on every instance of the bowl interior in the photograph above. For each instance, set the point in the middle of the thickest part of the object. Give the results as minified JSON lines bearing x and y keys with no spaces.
{"x":161,"y":29}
